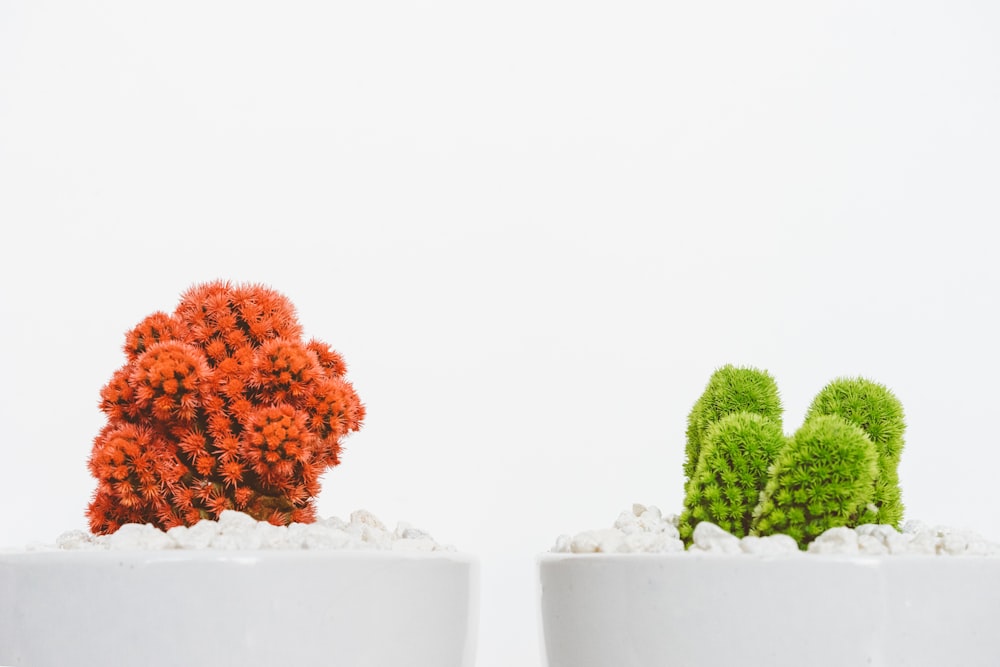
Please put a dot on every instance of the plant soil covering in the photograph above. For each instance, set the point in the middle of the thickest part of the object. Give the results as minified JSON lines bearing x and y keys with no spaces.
{"x":645,"y":530}
{"x":238,"y":531}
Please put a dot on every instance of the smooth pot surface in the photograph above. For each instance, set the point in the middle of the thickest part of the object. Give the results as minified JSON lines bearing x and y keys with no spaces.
{"x":238,"y":608}
{"x":686,"y":610}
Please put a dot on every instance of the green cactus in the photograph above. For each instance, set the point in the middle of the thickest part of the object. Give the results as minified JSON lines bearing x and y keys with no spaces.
{"x":732,"y":469}
{"x":873,"y":408}
{"x":730,"y":390}
{"x":822,"y":479}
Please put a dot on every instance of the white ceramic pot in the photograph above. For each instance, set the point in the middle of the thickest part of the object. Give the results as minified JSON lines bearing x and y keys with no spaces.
{"x":687,"y":610}
{"x":238,"y":608}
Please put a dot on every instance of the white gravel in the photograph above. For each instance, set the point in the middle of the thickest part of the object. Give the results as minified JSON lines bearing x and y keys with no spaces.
{"x":646,"y":529}
{"x":238,"y":531}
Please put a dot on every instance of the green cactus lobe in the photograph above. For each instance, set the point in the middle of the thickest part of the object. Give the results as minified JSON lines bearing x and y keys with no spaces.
{"x":822,"y":478}
{"x":732,"y":469}
{"x":874,"y":409}
{"x":730,"y":390}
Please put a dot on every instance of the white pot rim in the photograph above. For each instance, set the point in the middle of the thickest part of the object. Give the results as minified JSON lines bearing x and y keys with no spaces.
{"x":797,"y":557}
{"x":236,"y":555}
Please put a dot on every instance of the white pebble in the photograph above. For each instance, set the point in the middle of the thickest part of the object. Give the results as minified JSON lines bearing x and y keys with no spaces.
{"x":563,"y":544}
{"x":584,"y":543}
{"x":884,"y":532}
{"x":642,"y":529}
{"x":899,"y":544}
{"x":607,"y":540}
{"x":839,"y":540}
{"x":768,"y":545}
{"x":914,"y":526}
{"x":710,"y":538}
{"x":977,"y":547}
{"x":652,"y":543}
{"x":321,"y":537}
{"x":871,"y":545}
{"x":865,"y":529}
{"x":270,"y":536}
{"x":231,"y":521}
{"x":296,"y":535}
{"x":961,"y":543}
{"x":652,"y":521}
{"x":333,"y":522}
{"x":414,"y":544}
{"x":366,"y":518}
{"x":377,"y":536}
{"x":639,"y":542}
{"x":198,"y":536}
{"x":405,"y":531}
{"x":628,"y":523}
{"x":139,"y":536}
{"x":76,"y":539}
{"x":235,"y":542}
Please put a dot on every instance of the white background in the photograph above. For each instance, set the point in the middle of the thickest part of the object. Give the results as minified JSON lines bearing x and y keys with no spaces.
{"x":532,"y":228}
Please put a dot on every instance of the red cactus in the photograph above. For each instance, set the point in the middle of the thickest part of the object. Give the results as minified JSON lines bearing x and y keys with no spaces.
{"x":219,"y":406}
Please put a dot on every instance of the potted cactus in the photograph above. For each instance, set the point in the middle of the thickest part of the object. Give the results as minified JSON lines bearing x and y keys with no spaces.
{"x":218,"y":427}
{"x":801,"y":531}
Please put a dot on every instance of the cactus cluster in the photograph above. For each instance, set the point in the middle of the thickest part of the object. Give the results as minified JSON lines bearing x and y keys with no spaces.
{"x":220,"y":405}
{"x":838,"y":469}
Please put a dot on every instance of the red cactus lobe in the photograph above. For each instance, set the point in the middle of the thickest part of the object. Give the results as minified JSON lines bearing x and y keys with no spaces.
{"x":240,"y":314}
{"x":285,"y":370}
{"x":215,"y":350}
{"x":267,"y":313}
{"x":135,"y":468}
{"x":168,"y":377}
{"x":276,"y":443}
{"x":219,"y":406}
{"x":118,"y":398}
{"x":156,"y":327}
{"x":107,"y":514}
{"x":328,"y":359}
{"x":235,"y":371}
{"x":335,"y":410}
{"x":305,"y":514}
{"x":116,"y":449}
